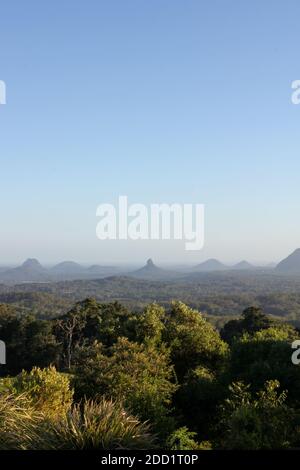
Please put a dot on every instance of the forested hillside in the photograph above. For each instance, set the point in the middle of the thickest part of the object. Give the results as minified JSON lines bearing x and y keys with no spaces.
{"x":104,"y":376}
{"x":219,"y":296}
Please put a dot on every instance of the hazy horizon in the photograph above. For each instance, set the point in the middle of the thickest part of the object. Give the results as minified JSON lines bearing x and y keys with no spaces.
{"x":140,"y":262}
{"x":156,"y":255}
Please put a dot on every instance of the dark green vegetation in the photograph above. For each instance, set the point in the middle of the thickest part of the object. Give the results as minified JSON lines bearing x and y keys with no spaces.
{"x":103,"y":376}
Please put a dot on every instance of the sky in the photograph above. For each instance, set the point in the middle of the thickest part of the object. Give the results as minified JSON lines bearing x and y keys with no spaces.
{"x":165,"y":101}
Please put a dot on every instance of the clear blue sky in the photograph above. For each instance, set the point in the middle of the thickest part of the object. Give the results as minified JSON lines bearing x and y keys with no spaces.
{"x":160,"y":100}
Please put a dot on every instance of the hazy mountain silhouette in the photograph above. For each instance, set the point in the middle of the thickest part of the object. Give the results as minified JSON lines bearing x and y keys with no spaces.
{"x":72,"y":270}
{"x":211,"y":264}
{"x":243,"y":265}
{"x":30,"y":271}
{"x":291,"y":264}
{"x":97,"y":269}
{"x":152,"y":272}
{"x":67,"y":267}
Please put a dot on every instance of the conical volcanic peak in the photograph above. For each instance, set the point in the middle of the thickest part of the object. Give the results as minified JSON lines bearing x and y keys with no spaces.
{"x":150,"y":263}
{"x":152,"y":272}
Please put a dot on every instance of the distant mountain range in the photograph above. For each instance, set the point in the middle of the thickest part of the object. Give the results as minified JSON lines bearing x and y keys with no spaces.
{"x":213,"y":264}
{"x":32,"y":271}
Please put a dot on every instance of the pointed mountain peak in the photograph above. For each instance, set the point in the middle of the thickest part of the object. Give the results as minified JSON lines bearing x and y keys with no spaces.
{"x":150,"y":263}
{"x":152,"y":272}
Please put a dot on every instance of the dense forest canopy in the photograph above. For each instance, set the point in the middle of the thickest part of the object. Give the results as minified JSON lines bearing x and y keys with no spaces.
{"x":103,"y":375}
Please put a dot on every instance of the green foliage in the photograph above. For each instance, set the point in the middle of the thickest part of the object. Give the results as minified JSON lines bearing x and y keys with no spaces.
{"x":90,"y":321}
{"x":260,"y":422}
{"x":47,"y":390}
{"x":97,"y":321}
{"x":266,"y":355}
{"x":167,"y":366}
{"x":252,"y":320}
{"x":29,"y":341}
{"x":183,"y":439}
{"x":197,"y":400}
{"x":150,"y":324}
{"x":137,"y":374}
{"x":192,"y":340}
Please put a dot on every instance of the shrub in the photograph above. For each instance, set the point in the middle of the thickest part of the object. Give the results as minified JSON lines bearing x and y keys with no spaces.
{"x":47,"y":390}
{"x":183,"y":439}
{"x":138,"y":375}
{"x":97,"y":425}
{"x":263,"y":356}
{"x":262,"y":421}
